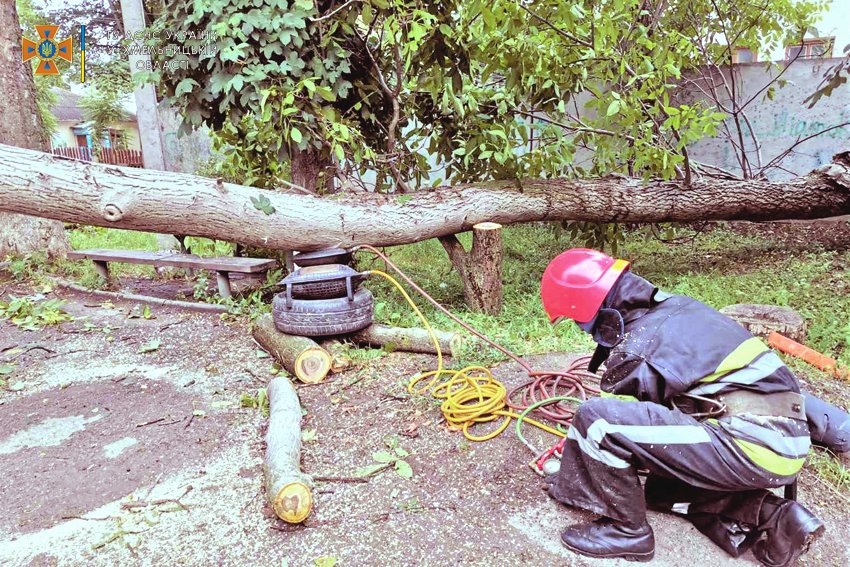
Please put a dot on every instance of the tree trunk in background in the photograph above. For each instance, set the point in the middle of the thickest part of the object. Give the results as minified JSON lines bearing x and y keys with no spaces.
{"x":312,"y":171}
{"x":158,"y":201}
{"x":480,"y":269}
{"x":20,"y":125}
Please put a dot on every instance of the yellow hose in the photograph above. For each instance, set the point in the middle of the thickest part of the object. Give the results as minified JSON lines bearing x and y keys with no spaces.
{"x":470,"y":395}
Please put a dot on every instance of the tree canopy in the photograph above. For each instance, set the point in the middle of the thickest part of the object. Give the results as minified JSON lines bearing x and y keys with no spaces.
{"x":408,"y":89}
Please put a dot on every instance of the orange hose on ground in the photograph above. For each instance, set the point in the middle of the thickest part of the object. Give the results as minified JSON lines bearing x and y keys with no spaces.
{"x":806,"y":354}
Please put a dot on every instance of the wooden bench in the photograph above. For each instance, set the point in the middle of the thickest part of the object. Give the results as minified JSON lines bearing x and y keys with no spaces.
{"x":223,"y":266}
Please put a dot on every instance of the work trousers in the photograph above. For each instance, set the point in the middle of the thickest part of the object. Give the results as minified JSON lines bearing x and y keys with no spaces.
{"x":610,"y":440}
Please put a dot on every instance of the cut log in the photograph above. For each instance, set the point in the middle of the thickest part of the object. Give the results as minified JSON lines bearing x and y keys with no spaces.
{"x":340,"y":360}
{"x":761,"y":320}
{"x":480,"y":269}
{"x":412,"y":339}
{"x":36,"y":183}
{"x":300,"y":356}
{"x":288,"y":488}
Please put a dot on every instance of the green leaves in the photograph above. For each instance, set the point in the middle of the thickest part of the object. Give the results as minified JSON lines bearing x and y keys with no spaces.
{"x":260,"y":401}
{"x":384,"y":459}
{"x":33,"y":313}
{"x":185,"y":86}
{"x":614,"y":107}
{"x":263,"y":204}
{"x":150,"y":346}
{"x":403,"y":469}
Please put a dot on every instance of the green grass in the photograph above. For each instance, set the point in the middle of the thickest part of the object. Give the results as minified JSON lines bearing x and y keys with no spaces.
{"x":829,"y":469}
{"x":522,"y":326}
{"x":720,"y":267}
{"x":96,"y":237}
{"x":89,"y":237}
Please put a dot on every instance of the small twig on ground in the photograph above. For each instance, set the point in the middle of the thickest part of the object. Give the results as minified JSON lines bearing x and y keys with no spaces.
{"x":829,"y":486}
{"x":34,"y":347}
{"x":150,"y":422}
{"x":171,"y":422}
{"x":188,"y":423}
{"x":172,"y":324}
{"x":340,"y":479}
{"x":159,"y":501}
{"x":87,"y":519}
{"x":322,"y":383}
{"x":349,"y":384}
{"x":57,"y":354}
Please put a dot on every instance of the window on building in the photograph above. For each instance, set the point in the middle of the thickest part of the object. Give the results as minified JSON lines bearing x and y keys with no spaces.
{"x":744,"y":55}
{"x":82,"y":141}
{"x":813,"y":48}
{"x":116,"y":136}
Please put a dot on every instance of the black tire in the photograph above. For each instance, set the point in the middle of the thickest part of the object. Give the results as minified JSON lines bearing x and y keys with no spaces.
{"x":322,"y":317}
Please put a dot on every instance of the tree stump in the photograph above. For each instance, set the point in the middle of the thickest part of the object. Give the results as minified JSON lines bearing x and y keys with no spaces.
{"x":287,"y":488}
{"x":760,"y":320}
{"x":300,"y":356}
{"x":480,"y":269}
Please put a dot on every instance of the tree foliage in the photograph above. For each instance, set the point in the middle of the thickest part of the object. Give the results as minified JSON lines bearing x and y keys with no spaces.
{"x":103,"y":108}
{"x":835,"y":76}
{"x":408,"y":90}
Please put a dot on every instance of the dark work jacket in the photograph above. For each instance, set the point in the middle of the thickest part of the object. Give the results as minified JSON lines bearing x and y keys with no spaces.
{"x":672,"y":343}
{"x":675,"y":344}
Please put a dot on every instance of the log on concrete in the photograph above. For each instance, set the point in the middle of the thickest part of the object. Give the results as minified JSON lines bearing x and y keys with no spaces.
{"x":760,"y":320}
{"x":300,"y":356}
{"x":287,"y":487}
{"x":409,"y":339}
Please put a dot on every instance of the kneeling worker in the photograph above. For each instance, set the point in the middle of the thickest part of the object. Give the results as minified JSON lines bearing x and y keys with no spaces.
{"x":690,"y":396}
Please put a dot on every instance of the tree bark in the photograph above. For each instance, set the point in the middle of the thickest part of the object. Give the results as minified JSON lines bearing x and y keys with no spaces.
{"x":408,"y":339}
{"x":311,"y":171}
{"x":39,"y":184}
{"x":480,"y":269}
{"x":287,"y":488}
{"x":20,"y":125}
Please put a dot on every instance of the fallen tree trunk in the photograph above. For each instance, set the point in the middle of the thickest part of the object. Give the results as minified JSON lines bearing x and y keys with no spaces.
{"x":287,"y":488}
{"x":300,"y":356}
{"x":39,"y":184}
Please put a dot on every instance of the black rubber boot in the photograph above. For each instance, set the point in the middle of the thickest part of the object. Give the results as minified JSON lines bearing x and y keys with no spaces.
{"x":787,"y":531}
{"x":609,"y":539}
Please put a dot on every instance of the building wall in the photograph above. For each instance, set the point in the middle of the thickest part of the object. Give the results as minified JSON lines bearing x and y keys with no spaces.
{"x":64,"y":136}
{"x":780,"y":122}
{"x":131,"y":133}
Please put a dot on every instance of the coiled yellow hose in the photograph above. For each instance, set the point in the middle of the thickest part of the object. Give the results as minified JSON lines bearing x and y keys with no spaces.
{"x":470,"y":395}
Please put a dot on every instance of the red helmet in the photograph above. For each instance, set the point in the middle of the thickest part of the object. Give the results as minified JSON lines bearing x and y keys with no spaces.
{"x":576,"y":282}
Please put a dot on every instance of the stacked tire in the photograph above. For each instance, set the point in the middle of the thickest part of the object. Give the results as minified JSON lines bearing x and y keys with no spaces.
{"x":323,"y":297}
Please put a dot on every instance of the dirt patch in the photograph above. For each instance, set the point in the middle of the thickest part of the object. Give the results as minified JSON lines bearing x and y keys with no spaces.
{"x":80,"y":447}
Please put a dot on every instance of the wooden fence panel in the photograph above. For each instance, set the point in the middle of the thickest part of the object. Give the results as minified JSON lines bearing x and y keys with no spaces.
{"x":113,"y":156}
